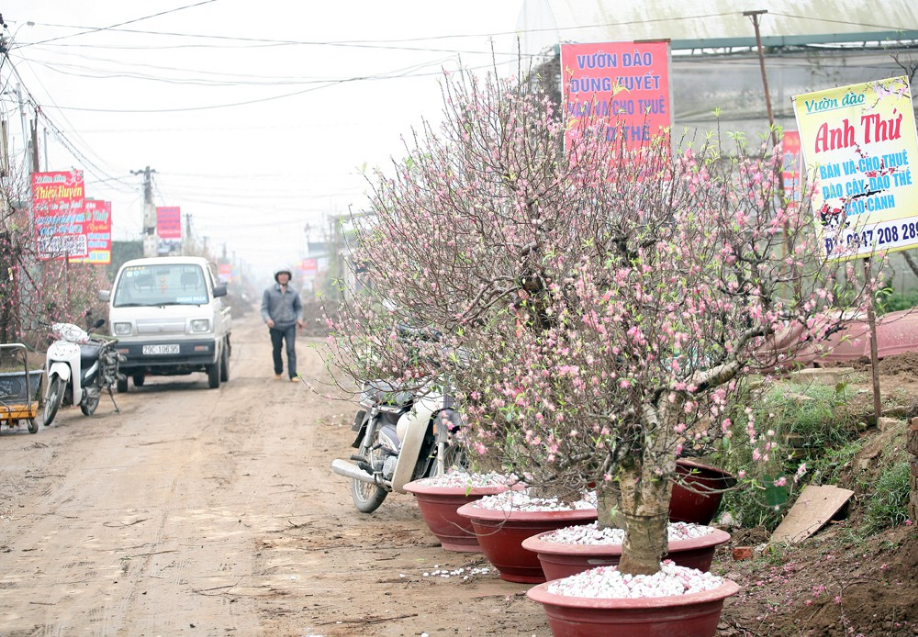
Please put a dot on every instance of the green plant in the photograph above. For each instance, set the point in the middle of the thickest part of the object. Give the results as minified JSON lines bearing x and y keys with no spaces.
{"x":828,"y":467}
{"x":890,"y":300}
{"x":888,"y":505}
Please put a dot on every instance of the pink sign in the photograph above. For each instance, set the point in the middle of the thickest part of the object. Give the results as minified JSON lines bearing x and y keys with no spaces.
{"x":98,"y":229}
{"x":624,"y":85}
{"x":790,"y":172}
{"x":169,"y":223}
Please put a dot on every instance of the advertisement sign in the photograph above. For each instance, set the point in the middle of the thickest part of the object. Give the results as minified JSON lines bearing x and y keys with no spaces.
{"x":791,"y":169}
{"x":169,"y":223}
{"x":624,"y":84}
{"x":168,"y":229}
{"x":57,"y":206}
{"x":98,"y":227}
{"x":858,"y":142}
{"x":309,"y":268}
{"x":225,"y":272}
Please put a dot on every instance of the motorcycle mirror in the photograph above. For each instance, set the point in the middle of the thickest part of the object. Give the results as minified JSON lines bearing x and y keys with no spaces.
{"x":99,"y":323}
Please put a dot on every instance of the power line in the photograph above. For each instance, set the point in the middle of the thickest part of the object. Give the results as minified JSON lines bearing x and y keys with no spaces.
{"x":120,"y":24}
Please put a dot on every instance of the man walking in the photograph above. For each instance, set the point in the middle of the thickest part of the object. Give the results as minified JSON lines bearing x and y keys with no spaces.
{"x":282,"y":312}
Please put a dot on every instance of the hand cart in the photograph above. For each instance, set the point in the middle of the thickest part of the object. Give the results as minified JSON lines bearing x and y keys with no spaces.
{"x":19,"y":391}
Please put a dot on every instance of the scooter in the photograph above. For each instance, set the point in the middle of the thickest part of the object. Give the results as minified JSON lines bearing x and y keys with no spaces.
{"x":79,"y":366}
{"x":402,"y":435}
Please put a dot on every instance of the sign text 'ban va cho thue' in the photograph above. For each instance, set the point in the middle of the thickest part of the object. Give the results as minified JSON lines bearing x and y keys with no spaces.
{"x":859,"y":142}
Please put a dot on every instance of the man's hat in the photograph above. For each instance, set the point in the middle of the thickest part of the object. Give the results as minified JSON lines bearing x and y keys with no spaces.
{"x":280,"y":272}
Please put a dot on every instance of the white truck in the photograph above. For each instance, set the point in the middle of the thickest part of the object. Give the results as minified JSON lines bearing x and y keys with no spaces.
{"x":170,"y":319}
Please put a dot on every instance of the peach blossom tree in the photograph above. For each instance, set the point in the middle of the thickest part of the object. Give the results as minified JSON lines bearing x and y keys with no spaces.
{"x":597,"y":307}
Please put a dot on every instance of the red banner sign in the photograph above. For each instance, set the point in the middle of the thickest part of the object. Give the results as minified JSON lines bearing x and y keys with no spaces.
{"x":98,"y":227}
{"x":624,"y":85}
{"x":57,"y":205}
{"x":790,"y":172}
{"x":169,"y":223}
{"x":225,"y":272}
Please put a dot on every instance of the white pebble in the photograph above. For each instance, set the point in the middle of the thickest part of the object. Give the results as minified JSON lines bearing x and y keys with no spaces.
{"x":606,"y":582}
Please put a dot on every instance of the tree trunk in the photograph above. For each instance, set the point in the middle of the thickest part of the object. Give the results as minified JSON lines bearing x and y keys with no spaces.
{"x":646,"y":489}
{"x":644,"y":505}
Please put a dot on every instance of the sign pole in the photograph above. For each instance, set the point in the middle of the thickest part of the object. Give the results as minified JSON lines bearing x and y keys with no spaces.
{"x":874,"y":357}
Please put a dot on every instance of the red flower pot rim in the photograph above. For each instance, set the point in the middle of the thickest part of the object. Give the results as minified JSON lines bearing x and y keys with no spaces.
{"x":415,"y":487}
{"x":728,"y":479}
{"x":471,"y":511}
{"x":537,"y":544}
{"x":540,"y":594}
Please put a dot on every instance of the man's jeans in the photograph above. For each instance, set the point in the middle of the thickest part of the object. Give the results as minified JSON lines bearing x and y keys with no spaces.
{"x":278,"y":335}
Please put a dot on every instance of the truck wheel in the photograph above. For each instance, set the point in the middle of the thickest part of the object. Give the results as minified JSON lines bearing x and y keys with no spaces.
{"x":213,"y":375}
{"x":224,"y":366}
{"x":121,"y":385}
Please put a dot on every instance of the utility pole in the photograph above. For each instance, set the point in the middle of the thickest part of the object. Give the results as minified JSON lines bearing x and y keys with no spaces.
{"x":754,"y":15}
{"x":150,"y":239}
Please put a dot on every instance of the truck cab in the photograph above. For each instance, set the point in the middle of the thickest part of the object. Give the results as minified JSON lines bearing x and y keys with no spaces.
{"x":170,"y":319}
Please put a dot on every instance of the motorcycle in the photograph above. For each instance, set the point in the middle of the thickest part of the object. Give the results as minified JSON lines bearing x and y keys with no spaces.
{"x":79,"y":366}
{"x":402,"y":435}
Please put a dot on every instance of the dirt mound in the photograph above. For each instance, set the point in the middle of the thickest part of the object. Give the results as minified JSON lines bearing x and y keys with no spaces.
{"x":830,"y":585}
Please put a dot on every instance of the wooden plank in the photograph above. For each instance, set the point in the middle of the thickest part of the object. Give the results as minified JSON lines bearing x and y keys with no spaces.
{"x":814,"y":507}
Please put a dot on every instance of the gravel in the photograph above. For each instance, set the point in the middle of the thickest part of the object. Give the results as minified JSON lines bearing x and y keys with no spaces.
{"x":592,"y":534}
{"x":463,"y":479}
{"x":605,"y":582}
{"x":522,"y":501}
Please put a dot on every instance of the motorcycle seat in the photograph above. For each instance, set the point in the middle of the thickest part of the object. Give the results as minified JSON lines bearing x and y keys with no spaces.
{"x":89,"y":352}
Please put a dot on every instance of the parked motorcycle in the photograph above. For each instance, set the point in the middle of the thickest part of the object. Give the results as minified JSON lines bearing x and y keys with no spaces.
{"x":402,"y":435}
{"x":79,"y":366}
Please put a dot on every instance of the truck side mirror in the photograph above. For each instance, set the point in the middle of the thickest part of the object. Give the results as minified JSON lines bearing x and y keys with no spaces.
{"x":105,"y":295}
{"x":220,"y":290}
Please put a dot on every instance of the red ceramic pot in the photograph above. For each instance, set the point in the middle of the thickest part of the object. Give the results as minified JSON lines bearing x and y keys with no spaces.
{"x":699,"y":503}
{"x":438,"y":507}
{"x":559,"y":559}
{"x":501,"y":534}
{"x":693,"y":615}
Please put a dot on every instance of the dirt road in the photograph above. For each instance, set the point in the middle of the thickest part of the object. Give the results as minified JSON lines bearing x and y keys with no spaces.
{"x":214,"y":512}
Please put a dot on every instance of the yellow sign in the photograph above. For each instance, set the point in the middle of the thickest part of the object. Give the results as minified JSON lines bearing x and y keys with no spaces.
{"x":858,"y":142}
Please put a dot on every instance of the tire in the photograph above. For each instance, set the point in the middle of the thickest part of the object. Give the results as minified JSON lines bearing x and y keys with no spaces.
{"x":213,"y":375}
{"x":122,"y":385}
{"x":90,"y":403}
{"x":367,"y":497}
{"x":224,"y":366}
{"x":54,"y":400}
{"x":33,"y":426}
{"x":139,"y":379}
{"x":456,"y":458}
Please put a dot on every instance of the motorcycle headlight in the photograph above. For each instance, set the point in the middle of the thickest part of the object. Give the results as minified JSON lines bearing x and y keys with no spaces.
{"x":199,"y":326}
{"x":122,"y":329}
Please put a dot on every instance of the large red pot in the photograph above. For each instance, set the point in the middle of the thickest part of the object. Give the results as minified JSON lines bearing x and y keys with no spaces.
{"x":697,"y":502}
{"x":559,"y":559}
{"x":693,"y":615}
{"x":501,"y":534}
{"x":438,"y":507}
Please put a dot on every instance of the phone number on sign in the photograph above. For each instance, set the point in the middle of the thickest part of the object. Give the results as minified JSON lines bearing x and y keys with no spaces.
{"x":883,"y":236}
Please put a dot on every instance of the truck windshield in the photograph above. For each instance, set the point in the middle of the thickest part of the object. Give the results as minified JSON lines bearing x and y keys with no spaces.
{"x":172,"y":284}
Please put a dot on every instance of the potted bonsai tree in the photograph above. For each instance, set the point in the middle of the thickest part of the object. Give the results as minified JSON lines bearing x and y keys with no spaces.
{"x":599,"y":305}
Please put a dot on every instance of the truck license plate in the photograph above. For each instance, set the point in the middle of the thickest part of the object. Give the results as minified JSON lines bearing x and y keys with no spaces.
{"x":160,"y":349}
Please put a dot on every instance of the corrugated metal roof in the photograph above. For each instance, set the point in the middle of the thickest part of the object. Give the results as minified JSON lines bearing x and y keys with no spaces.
{"x":543,"y":23}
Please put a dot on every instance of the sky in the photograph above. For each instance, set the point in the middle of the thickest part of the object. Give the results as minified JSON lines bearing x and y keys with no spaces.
{"x":261,"y":120}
